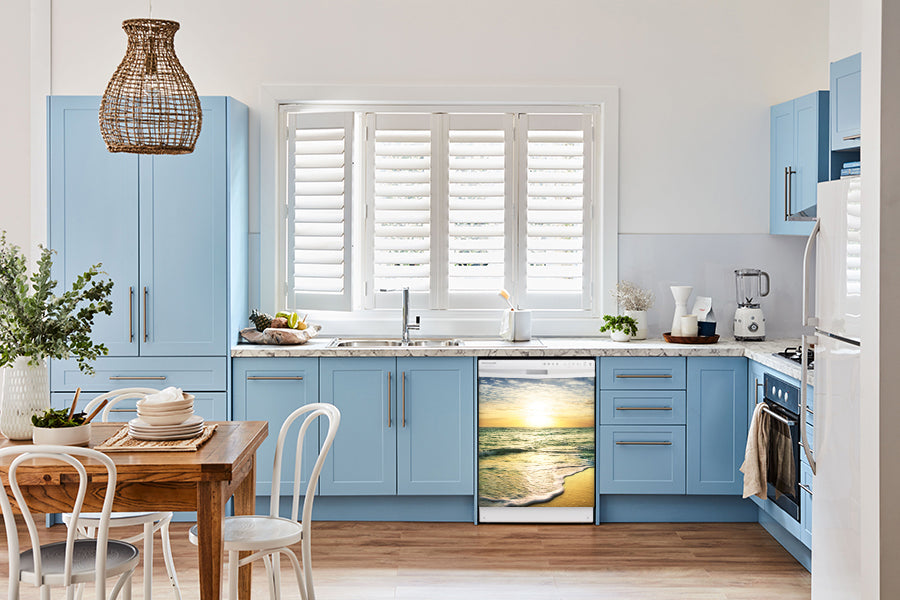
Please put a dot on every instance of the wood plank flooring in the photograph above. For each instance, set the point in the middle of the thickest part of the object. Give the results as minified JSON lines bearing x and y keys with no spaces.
{"x":459,"y":561}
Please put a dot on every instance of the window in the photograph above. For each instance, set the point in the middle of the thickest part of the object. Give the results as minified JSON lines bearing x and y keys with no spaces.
{"x":452,"y":202}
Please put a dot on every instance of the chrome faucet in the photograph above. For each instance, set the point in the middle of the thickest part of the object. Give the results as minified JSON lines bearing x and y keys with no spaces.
{"x":406,"y":325}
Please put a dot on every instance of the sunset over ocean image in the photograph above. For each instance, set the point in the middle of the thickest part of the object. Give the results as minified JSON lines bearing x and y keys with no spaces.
{"x":535,"y":440}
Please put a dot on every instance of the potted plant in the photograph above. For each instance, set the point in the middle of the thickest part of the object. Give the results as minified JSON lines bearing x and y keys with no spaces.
{"x":36,"y":324}
{"x":621,"y":328}
{"x":634,"y":302}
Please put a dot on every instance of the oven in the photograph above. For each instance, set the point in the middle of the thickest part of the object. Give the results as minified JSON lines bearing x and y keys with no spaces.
{"x":782,"y":401}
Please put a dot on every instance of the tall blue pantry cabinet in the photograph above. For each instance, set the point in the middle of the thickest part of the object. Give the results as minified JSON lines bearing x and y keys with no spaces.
{"x":171,"y":232}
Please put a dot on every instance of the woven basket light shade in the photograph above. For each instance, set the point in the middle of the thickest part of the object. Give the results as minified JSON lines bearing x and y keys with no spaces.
{"x":150,"y":105}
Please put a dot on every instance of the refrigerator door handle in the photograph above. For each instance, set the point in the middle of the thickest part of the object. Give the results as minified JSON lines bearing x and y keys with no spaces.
{"x":808,"y":337}
{"x":809,"y":323}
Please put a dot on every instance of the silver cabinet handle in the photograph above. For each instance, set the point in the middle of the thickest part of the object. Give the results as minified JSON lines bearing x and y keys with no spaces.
{"x":145,"y":313}
{"x":791,"y":173}
{"x":123,"y":410}
{"x":643,"y":443}
{"x":137,"y":377}
{"x":404,"y":398}
{"x":756,"y":393}
{"x":786,"y":185}
{"x":274,"y":378}
{"x":130,"y":314}
{"x":643,"y":376}
{"x":805,"y":489}
{"x":847,"y":138}
{"x":390,"y":422}
{"x":643,"y":408}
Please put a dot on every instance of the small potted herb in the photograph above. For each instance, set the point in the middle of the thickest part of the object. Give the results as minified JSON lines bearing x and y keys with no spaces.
{"x":620,"y":327}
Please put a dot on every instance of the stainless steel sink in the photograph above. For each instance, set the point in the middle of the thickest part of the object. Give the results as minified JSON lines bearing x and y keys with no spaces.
{"x":387,"y":343}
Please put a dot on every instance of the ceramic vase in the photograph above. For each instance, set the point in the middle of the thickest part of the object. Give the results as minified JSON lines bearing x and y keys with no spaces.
{"x":640,"y":316}
{"x":681,"y":293}
{"x":619,"y":336}
{"x":26,"y":392}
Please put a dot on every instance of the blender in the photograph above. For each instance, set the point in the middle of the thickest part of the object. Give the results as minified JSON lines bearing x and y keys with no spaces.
{"x":749,"y":321}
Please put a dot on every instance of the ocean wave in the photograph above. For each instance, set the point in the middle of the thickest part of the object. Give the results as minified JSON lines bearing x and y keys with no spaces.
{"x":503,"y":451}
{"x":536,"y":498}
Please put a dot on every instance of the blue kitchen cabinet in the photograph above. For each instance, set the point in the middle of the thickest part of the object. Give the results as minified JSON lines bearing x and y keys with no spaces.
{"x":806,"y":492}
{"x":641,"y":459}
{"x":642,"y":373}
{"x":799,"y":160}
{"x":270,"y":389}
{"x":171,"y":234}
{"x":716,"y":424}
{"x":845,"y":103}
{"x":756,"y":374}
{"x":649,"y":407}
{"x":436,"y":436}
{"x":209,"y":405}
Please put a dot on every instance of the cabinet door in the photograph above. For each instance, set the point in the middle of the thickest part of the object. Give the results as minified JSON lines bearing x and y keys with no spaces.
{"x":435,"y":438}
{"x":806,"y":482}
{"x":270,"y":389}
{"x":781,"y":158}
{"x":756,"y":375}
{"x":183,"y":289}
{"x":93,"y":214}
{"x":811,"y":150}
{"x":363,"y":459}
{"x":641,"y":459}
{"x":845,"y":102}
{"x":716,"y":424}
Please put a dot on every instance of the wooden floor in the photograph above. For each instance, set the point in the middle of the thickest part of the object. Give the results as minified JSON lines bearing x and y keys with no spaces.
{"x":458,"y":561}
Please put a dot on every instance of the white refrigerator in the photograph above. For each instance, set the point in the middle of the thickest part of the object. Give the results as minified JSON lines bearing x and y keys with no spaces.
{"x":834,"y":328}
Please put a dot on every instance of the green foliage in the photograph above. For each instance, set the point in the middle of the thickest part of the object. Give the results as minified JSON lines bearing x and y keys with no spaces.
{"x":36,"y":323}
{"x":619,"y":323}
{"x":56,"y":418}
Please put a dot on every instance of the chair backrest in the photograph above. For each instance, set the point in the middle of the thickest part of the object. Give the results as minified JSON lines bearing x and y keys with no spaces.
{"x":115,"y":397}
{"x":67,"y":455}
{"x":312,"y":412}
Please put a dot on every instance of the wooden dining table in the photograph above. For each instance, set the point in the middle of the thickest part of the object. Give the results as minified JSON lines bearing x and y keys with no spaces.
{"x":201,"y":481}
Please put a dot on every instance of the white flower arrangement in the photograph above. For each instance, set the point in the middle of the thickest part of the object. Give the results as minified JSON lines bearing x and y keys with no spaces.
{"x":631,"y":297}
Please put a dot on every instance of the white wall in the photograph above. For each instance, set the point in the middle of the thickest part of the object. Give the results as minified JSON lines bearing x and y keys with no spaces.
{"x":845,"y":25}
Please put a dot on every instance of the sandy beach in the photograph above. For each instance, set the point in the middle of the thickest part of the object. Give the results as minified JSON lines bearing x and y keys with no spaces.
{"x":578,"y":490}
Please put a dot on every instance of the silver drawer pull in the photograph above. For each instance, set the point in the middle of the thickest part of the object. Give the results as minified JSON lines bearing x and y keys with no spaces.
{"x":643,"y":443}
{"x":809,"y":410}
{"x":805,"y":489}
{"x":646,"y":376}
{"x":778,"y":417}
{"x":847,"y":138}
{"x":273,"y":378}
{"x":137,"y":377}
{"x":643,"y":408}
{"x":128,"y":410}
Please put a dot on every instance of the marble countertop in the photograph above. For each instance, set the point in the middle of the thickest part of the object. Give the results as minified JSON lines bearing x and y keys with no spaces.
{"x":761,"y":352}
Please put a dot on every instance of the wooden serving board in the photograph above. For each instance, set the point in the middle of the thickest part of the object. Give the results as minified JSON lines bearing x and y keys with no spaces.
{"x":673,"y":339}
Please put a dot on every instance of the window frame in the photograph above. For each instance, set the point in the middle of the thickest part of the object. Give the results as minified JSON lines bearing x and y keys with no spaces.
{"x":271,"y":290}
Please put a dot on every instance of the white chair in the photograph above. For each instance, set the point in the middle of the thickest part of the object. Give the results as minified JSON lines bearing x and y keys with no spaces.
{"x":152,"y":522}
{"x":75,"y":561}
{"x":269,"y":537}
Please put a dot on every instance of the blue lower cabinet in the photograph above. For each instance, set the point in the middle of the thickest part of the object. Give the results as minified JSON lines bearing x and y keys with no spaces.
{"x":642,"y":373}
{"x":646,"y":459}
{"x":806,"y":492}
{"x":206,"y":373}
{"x":716,"y":424}
{"x":212,"y":406}
{"x":435,"y":437}
{"x":649,"y":407}
{"x":756,"y":374}
{"x":270,"y":389}
{"x":363,"y":459}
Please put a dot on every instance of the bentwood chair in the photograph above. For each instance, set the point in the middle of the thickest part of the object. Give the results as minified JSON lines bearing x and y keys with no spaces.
{"x":75,"y":561}
{"x":152,"y":522}
{"x":269,"y":537}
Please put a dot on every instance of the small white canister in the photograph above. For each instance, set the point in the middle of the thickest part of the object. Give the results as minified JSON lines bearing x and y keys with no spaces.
{"x":515,"y":326}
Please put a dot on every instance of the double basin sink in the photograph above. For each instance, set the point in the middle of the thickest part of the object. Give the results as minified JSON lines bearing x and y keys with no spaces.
{"x":386,"y":343}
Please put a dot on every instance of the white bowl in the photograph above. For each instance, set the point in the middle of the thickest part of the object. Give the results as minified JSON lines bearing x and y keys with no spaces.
{"x":186,"y":402}
{"x":172,"y":418}
{"x":62,"y":436}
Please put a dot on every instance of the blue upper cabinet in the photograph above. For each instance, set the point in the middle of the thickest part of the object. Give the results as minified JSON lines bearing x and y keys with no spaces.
{"x":845,"y":103}
{"x":716,"y":424}
{"x":93,"y":214}
{"x":799,"y":160}
{"x":436,"y":430}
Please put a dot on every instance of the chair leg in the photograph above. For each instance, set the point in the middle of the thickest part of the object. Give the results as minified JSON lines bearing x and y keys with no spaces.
{"x":148,"y":561}
{"x":79,"y":591}
{"x":270,"y":577}
{"x":167,"y":558}
{"x":276,"y":572}
{"x":123,"y":585}
{"x":233,"y":558}
{"x":45,"y":592}
{"x":298,"y":572}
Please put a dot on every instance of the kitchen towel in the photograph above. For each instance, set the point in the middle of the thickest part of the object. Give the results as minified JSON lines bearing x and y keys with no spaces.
{"x":755,"y":467}
{"x":780,"y":457}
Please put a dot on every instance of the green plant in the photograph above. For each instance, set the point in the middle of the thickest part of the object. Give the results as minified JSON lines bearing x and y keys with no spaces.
{"x":619,"y":323}
{"x":36,"y":323}
{"x":57,"y":418}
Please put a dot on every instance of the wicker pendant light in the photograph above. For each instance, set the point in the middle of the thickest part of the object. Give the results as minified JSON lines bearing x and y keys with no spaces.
{"x":150,"y":105}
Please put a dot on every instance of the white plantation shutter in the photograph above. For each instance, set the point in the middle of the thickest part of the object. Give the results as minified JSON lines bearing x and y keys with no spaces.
{"x":555,"y":183}
{"x":319,"y":192}
{"x":399,"y":202}
{"x":480,"y":208}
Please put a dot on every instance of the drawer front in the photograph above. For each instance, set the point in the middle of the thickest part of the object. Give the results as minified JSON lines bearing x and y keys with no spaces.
{"x":642,"y":373}
{"x":812,"y":444}
{"x":630,"y":407}
{"x":206,"y":374}
{"x":642,"y":460}
{"x":212,"y":406}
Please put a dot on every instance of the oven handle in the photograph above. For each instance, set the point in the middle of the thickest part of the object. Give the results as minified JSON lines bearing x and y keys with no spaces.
{"x":808,"y":337}
{"x":778,"y":417}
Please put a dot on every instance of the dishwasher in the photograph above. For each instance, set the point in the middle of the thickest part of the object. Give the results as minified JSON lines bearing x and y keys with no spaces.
{"x":536,"y":440}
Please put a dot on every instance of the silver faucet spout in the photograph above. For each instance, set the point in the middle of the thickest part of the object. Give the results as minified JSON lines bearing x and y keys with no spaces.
{"x":404,"y":316}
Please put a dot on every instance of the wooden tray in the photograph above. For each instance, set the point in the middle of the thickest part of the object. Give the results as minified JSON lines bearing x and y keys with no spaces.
{"x":673,"y":339}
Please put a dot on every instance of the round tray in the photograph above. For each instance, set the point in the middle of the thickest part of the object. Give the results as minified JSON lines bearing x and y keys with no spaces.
{"x":673,"y":339}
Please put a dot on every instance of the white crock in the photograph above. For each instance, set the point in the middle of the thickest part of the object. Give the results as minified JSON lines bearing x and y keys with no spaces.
{"x":26,"y":392}
{"x":619,"y":336}
{"x":640,"y":316}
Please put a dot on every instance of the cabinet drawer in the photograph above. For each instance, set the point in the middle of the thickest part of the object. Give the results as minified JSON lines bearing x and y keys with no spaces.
{"x":642,"y":460}
{"x":212,"y":406}
{"x":205,"y":374}
{"x":629,"y":407}
{"x":812,"y":444}
{"x":642,"y":373}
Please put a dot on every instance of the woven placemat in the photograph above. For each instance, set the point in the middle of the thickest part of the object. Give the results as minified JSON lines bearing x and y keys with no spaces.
{"x":122,"y":442}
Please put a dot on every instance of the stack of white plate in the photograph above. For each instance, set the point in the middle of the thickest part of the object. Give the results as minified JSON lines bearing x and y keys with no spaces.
{"x":168,"y":415}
